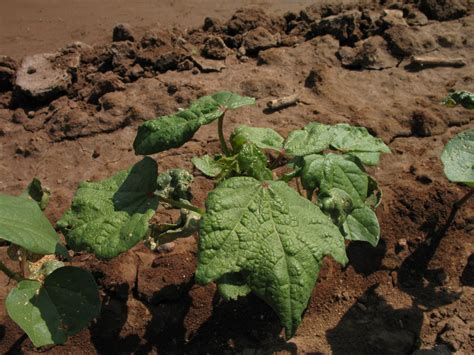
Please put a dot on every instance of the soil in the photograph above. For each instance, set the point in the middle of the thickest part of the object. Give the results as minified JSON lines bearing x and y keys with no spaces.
{"x":348,"y":63}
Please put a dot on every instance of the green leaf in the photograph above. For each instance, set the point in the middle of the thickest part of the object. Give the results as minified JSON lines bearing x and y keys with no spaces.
{"x":362,"y":224}
{"x":458,"y":158}
{"x":173,"y":131}
{"x":109,"y":217}
{"x":356,"y":139}
{"x":49,"y":313}
{"x":273,"y":236}
{"x":336,"y":171}
{"x":175,"y":184}
{"x":461,"y":97}
{"x":207,"y":165}
{"x":36,"y":192}
{"x":263,"y":138}
{"x":313,"y":138}
{"x":22,"y":223}
{"x":164,"y":133}
{"x":367,"y":158}
{"x":231,"y":101}
{"x":252,"y":162}
{"x":232,"y":286}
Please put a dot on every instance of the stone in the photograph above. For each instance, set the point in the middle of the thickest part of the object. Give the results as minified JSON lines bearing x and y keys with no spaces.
{"x":123,"y":32}
{"x":407,"y":41}
{"x":393,"y":17}
{"x":105,"y":83}
{"x":215,"y":48}
{"x":371,"y":53}
{"x":259,"y":39}
{"x":208,"y":65}
{"x":41,"y":79}
{"x":7,"y":72}
{"x":443,"y":10}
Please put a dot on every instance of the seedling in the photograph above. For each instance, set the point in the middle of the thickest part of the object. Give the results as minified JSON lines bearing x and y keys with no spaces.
{"x":458,"y":154}
{"x":256,"y":233}
{"x":50,"y":301}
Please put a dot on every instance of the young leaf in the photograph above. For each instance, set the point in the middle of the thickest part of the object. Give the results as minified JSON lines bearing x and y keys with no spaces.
{"x":271,"y":234}
{"x":232,"y":286}
{"x":335,"y":171}
{"x":252,"y":162}
{"x":22,"y":223}
{"x":461,"y":97}
{"x":458,"y":158}
{"x":337,"y":204}
{"x":313,"y":138}
{"x":49,"y":313}
{"x":110,"y":216}
{"x":263,"y":138}
{"x":175,"y":184}
{"x":207,"y":165}
{"x":362,"y":224}
{"x":36,"y":192}
{"x":164,"y":133}
{"x":356,"y":139}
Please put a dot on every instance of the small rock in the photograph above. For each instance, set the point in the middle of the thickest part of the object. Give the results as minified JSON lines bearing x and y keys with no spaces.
{"x":39,"y":78}
{"x":215,"y":48}
{"x":361,"y":306}
{"x":135,"y":72}
{"x":259,"y":39}
{"x":185,"y":65}
{"x":443,"y":10}
{"x":393,"y":17}
{"x":96,"y":153}
{"x":31,"y":114}
{"x":108,"y":82}
{"x":123,"y":32}
{"x":208,"y":65}
{"x":402,"y":243}
{"x":416,"y":18}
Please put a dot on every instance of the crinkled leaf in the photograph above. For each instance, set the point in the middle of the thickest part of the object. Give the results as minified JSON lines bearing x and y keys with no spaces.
{"x":458,"y":158}
{"x":252,"y":162}
{"x":49,"y":313}
{"x":461,"y":97}
{"x":325,"y":172}
{"x":208,"y":165}
{"x":175,"y":184}
{"x":173,"y":131}
{"x":349,"y":138}
{"x":313,"y":138}
{"x":362,"y":224}
{"x":273,"y":236}
{"x":38,"y":193}
{"x":232,"y":286}
{"x":164,"y":133}
{"x":110,"y":216}
{"x":22,"y":223}
{"x":263,"y":138}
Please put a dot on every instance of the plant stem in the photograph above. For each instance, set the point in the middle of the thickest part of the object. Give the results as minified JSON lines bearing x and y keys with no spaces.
{"x":11,"y":274}
{"x":220,"y":130}
{"x":179,"y":204}
{"x":298,"y":187}
{"x":456,"y":206}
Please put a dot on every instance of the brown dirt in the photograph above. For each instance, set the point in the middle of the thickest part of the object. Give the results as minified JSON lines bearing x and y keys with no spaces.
{"x":399,"y":297}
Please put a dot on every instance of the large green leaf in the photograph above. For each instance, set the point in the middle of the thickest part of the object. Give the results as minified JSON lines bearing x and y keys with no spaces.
{"x":22,"y":223}
{"x":49,"y":313}
{"x":313,"y":138}
{"x":362,"y":224}
{"x":263,"y":138}
{"x":173,"y":131}
{"x":461,"y":97}
{"x":273,"y":236}
{"x":252,"y":162}
{"x":110,"y":216}
{"x":325,"y":172}
{"x":458,"y":158}
{"x":349,"y":138}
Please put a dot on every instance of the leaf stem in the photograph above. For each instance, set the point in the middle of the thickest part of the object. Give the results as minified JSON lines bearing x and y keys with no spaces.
{"x":220,"y":130}
{"x":11,"y":274}
{"x":456,"y":206}
{"x":179,"y":204}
